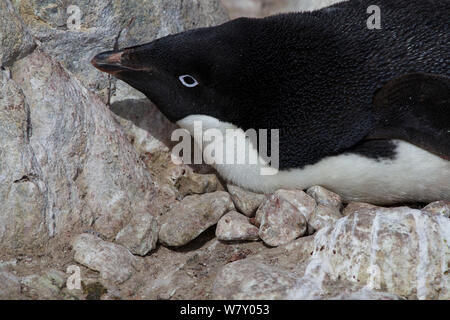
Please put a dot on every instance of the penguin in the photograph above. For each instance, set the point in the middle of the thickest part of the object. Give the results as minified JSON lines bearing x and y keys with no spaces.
{"x":363,"y":112}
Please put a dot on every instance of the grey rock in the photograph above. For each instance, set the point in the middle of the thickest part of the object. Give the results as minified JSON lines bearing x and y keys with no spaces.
{"x":70,"y":163}
{"x":353,"y":207}
{"x":22,"y":198}
{"x":438,"y":208}
{"x":9,"y":285}
{"x":374,"y":253}
{"x":194,"y":183}
{"x":147,"y":129}
{"x":15,"y":40}
{"x":242,"y":280}
{"x":246,"y":202}
{"x":397,"y":250}
{"x":299,"y":199}
{"x":323,"y":216}
{"x":104,"y":24}
{"x":236,"y":227}
{"x":248,"y":280}
{"x":113,"y":261}
{"x":193,"y":215}
{"x":140,"y":235}
{"x":281,"y":221}
{"x":325,"y":197}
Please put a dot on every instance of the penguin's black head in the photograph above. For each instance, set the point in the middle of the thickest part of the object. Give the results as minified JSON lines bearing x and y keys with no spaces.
{"x":203,"y":71}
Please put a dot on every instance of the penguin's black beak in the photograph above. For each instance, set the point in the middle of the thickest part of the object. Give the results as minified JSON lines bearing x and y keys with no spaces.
{"x":110,"y":62}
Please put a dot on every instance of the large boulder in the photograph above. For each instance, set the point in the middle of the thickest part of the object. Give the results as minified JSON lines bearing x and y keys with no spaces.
{"x":65,"y":162}
{"x":402,"y":251}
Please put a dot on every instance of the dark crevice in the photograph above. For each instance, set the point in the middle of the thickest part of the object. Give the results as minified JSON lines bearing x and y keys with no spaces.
{"x":23,"y":179}
{"x":29,"y":125}
{"x":26,"y":178}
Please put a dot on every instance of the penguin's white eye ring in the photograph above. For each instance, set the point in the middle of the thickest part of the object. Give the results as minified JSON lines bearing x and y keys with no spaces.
{"x":188,"y":81}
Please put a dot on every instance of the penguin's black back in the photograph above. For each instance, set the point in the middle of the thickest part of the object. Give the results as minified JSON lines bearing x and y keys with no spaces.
{"x":327,"y":65}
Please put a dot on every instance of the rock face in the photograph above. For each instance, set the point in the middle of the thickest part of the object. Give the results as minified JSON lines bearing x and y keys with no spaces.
{"x":244,"y":280}
{"x":398,"y":250}
{"x":192,"y":216}
{"x":280,"y":220}
{"x":22,"y":199}
{"x":104,"y":24}
{"x":248,"y":280}
{"x":236,"y":227}
{"x":112,"y":261}
{"x":15,"y":40}
{"x":73,"y":164}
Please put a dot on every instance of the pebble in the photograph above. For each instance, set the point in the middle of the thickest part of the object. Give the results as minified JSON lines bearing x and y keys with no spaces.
{"x":193,"y":215}
{"x":236,"y":227}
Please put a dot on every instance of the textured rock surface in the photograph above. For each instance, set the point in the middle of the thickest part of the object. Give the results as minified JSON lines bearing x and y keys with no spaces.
{"x":22,"y":200}
{"x":193,"y":215}
{"x":246,"y":202}
{"x":9,"y":286}
{"x":440,"y":208}
{"x":114,"y":262}
{"x":353,"y":207}
{"x":325,"y":197}
{"x":323,"y":216}
{"x":74,"y":165}
{"x":140,"y":234}
{"x":198,"y":184}
{"x":280,"y":220}
{"x":250,"y":280}
{"x":245,"y":280}
{"x":397,"y":250}
{"x":15,"y":40}
{"x":299,"y":199}
{"x":105,"y":23}
{"x":46,"y":286}
{"x":234,"y":226}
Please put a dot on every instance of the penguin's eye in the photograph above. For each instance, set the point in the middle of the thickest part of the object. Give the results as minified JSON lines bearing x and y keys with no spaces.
{"x":188,"y":81}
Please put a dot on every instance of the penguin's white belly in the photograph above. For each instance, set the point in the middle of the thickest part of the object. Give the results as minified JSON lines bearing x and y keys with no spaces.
{"x":413,"y":175}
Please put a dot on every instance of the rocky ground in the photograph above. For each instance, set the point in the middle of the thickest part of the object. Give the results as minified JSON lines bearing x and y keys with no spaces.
{"x":86,"y":183}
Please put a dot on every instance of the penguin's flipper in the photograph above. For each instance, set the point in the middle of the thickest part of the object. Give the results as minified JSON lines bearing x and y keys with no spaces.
{"x":415,"y":108}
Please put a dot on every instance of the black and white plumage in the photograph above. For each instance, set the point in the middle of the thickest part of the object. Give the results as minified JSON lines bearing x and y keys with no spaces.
{"x":365,"y":113}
